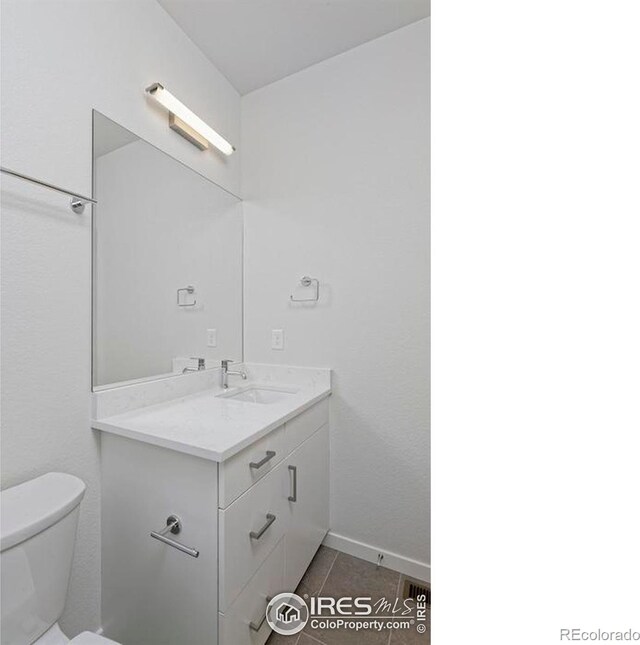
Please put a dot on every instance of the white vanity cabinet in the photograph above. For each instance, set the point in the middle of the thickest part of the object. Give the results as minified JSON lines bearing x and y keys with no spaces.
{"x":256,"y":518}
{"x":286,"y":510}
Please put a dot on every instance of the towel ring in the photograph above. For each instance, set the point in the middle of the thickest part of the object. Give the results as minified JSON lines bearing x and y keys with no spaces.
{"x":306,"y":281}
{"x":190,"y":290}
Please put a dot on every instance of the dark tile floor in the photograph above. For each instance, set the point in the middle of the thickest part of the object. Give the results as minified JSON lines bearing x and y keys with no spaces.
{"x":336,"y":574}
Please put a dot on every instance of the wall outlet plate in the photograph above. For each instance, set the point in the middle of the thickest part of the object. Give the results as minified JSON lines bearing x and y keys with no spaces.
{"x":212,"y":337}
{"x":277,"y":339}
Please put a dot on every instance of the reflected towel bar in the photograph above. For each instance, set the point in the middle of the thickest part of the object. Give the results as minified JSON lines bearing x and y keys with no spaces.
{"x":78,"y":201}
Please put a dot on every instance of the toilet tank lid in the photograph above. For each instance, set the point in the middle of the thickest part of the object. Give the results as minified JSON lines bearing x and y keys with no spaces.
{"x":35,"y":505}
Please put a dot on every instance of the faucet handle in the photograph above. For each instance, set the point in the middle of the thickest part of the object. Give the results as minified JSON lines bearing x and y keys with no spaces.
{"x":200,"y":361}
{"x":226,"y":361}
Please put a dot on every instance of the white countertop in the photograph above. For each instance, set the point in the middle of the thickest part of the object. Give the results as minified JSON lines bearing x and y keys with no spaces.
{"x":208,"y":425}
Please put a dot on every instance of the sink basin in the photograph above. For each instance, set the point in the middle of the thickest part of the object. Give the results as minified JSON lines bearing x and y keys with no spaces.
{"x":260,"y":395}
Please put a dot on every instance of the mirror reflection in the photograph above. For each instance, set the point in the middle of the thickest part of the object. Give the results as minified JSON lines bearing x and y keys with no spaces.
{"x":167,"y":263}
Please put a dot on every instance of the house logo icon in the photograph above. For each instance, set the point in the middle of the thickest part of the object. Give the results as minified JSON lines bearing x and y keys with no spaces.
{"x":287,"y":614}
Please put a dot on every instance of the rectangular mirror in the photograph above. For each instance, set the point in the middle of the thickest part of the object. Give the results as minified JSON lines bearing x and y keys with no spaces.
{"x":167,"y":262}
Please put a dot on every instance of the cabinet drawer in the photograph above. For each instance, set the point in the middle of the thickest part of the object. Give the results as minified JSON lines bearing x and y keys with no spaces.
{"x":300,"y":428}
{"x":244,"y":621}
{"x":241,"y":471}
{"x":248,"y":531}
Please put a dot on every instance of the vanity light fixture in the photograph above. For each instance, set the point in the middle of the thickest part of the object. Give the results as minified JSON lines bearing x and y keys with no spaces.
{"x":186,"y":123}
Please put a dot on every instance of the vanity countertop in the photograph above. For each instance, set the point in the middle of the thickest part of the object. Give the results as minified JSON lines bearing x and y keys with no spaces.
{"x":215,"y":427}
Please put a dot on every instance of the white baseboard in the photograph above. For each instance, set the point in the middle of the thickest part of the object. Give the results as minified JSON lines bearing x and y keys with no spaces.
{"x":413,"y":568}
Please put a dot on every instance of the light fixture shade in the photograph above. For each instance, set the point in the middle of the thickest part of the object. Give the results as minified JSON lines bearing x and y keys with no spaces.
{"x":171,"y":103}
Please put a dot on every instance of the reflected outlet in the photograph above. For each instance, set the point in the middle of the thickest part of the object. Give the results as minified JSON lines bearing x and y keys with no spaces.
{"x":277,"y":339}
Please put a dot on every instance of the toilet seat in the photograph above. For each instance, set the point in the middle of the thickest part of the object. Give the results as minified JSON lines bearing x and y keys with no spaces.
{"x":89,"y":638}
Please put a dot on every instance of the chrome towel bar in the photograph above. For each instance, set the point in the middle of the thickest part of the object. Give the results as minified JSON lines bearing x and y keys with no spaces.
{"x":174,"y":525}
{"x":78,"y":201}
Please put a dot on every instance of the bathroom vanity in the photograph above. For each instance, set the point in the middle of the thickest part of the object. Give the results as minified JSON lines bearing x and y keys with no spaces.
{"x":245,"y":472}
{"x":215,"y":487}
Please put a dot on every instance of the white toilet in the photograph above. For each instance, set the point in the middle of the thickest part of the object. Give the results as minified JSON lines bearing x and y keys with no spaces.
{"x":37,"y":536}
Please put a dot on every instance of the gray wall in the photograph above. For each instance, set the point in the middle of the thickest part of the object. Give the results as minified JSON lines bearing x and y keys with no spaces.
{"x":335,"y":180}
{"x":60,"y":60}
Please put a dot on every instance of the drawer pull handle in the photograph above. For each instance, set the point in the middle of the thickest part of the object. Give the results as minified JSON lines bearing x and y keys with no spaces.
{"x":270,"y":520}
{"x":294,"y":496}
{"x":256,"y":626}
{"x":257,"y":464}
{"x":174,"y":526}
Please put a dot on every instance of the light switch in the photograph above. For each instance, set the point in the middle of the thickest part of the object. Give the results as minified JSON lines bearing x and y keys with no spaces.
{"x":277,"y":339}
{"x":212,"y":337}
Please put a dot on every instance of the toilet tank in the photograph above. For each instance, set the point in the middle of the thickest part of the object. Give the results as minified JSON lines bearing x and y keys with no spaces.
{"x":37,"y":535}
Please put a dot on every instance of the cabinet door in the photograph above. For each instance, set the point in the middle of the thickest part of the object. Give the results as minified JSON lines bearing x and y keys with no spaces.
{"x":306,"y":491}
{"x":152,"y":594}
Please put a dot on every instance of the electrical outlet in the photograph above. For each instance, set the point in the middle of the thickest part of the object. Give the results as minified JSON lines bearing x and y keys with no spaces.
{"x":212,"y":337}
{"x":277,"y":339}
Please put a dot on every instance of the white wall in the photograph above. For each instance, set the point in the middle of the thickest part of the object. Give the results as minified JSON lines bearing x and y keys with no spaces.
{"x":60,"y":60}
{"x":159,"y":227}
{"x":335,"y":181}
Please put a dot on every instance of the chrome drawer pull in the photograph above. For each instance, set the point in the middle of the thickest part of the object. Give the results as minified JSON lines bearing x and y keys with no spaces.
{"x":270,"y":520}
{"x":174,"y":526}
{"x":257,"y":464}
{"x":294,"y":497}
{"x":256,"y":626}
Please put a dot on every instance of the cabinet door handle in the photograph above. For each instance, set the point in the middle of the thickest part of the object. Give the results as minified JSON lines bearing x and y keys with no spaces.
{"x":256,"y":626}
{"x":270,"y":520}
{"x":294,"y":496}
{"x":257,"y":464}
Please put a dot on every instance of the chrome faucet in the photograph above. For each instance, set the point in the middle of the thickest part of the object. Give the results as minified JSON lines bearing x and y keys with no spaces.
{"x":195,"y":369}
{"x":226,"y":372}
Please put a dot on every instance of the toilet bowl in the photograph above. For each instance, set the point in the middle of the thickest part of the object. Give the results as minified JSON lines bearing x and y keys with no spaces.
{"x":37,"y":537}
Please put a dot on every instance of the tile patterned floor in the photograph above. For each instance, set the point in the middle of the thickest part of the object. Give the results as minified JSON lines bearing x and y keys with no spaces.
{"x":337,"y":574}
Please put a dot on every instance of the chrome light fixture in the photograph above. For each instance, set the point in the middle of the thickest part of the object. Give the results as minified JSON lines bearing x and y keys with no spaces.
{"x":186,"y":123}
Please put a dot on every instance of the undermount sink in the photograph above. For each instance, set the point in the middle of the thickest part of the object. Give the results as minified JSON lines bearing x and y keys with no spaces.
{"x":260,"y":395}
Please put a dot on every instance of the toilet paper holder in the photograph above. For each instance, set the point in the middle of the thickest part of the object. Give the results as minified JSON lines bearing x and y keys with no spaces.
{"x":174,"y":525}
